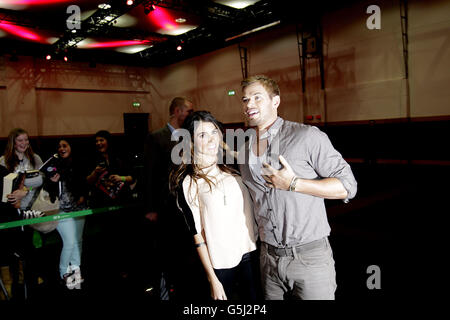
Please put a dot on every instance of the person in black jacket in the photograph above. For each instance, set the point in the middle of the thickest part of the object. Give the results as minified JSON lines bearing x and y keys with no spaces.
{"x":173,"y":240}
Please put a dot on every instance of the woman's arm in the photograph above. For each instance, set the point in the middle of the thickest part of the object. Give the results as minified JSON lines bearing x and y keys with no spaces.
{"x":217,"y":291}
{"x":116,"y":178}
{"x":92,"y":178}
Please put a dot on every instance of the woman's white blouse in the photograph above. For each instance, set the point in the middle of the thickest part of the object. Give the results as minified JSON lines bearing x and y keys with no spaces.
{"x":224,"y":215}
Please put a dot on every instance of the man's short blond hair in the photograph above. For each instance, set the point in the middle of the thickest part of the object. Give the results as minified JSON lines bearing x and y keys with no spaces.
{"x":269,"y":84}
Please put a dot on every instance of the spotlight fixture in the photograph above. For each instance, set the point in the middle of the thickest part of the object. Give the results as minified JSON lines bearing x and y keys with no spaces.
{"x":48,"y":57}
{"x":149,"y":8}
{"x":104,"y":6}
{"x":130,"y":2}
{"x":180,"y":20}
{"x":179,"y":47}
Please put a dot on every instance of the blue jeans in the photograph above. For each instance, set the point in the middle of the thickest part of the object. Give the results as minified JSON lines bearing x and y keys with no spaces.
{"x":307,"y":273}
{"x":71,"y":232}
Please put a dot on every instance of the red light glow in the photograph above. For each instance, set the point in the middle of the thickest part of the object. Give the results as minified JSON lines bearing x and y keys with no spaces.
{"x":32,"y":2}
{"x":22,"y":32}
{"x":162,"y":19}
{"x":114,"y":44}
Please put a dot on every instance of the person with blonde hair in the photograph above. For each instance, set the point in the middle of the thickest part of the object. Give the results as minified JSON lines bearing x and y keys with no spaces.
{"x":19,"y":157}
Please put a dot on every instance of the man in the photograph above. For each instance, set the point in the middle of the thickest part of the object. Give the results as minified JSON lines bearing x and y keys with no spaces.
{"x":169,"y":232}
{"x":158,"y":162}
{"x":289,"y":169}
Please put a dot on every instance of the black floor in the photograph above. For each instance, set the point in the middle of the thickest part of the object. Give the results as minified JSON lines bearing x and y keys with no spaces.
{"x":378,"y":228}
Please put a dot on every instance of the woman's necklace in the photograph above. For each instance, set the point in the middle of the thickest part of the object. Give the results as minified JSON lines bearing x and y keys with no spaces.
{"x":224,"y":194}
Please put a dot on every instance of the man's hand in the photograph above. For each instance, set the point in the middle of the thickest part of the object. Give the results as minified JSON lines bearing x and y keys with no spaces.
{"x":279,"y":179}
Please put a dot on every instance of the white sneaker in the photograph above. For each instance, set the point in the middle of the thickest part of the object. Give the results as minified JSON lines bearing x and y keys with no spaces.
{"x":69,"y":278}
{"x":78,"y":278}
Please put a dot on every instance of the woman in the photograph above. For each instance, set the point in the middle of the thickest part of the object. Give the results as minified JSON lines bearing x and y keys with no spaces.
{"x":218,"y":210}
{"x":110,"y":179}
{"x":69,"y":185}
{"x":19,"y":157}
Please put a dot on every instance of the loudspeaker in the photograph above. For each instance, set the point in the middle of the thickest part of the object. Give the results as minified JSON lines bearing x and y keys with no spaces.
{"x":311,"y":45}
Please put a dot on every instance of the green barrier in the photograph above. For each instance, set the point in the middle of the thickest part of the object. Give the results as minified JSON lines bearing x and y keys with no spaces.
{"x":60,"y":216}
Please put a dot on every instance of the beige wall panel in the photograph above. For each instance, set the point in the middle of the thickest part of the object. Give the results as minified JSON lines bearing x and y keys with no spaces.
{"x":364,"y":101}
{"x":219,"y":73}
{"x":430,"y":58}
{"x":56,"y":74}
{"x":364,"y":68}
{"x":63,"y":112}
{"x":19,"y":109}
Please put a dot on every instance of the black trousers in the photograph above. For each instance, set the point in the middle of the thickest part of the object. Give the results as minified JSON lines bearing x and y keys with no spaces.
{"x":241,"y":282}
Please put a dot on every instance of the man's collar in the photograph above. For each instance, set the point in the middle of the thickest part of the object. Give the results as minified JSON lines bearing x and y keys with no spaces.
{"x":273,"y":129}
{"x":171,"y":128}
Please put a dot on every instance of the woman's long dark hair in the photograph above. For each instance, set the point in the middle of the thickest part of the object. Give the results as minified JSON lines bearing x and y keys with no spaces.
{"x":11,"y":159}
{"x":190,"y":168}
{"x":65,"y":164}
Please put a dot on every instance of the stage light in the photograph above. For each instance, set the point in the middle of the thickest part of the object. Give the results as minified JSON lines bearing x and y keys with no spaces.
{"x":104,"y":6}
{"x":148,"y":9}
{"x":130,"y":2}
{"x":48,"y":57}
{"x":66,"y":59}
{"x":179,"y":48}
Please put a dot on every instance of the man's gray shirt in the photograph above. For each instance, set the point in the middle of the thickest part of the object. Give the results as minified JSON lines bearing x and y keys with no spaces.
{"x":285,"y":218}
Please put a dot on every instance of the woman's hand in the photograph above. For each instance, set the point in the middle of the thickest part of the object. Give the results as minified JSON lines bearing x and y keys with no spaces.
{"x":80,"y":201}
{"x":115,"y":178}
{"x":16,"y":196}
{"x":98,"y":170}
{"x":217,"y":291}
{"x":55,"y":178}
